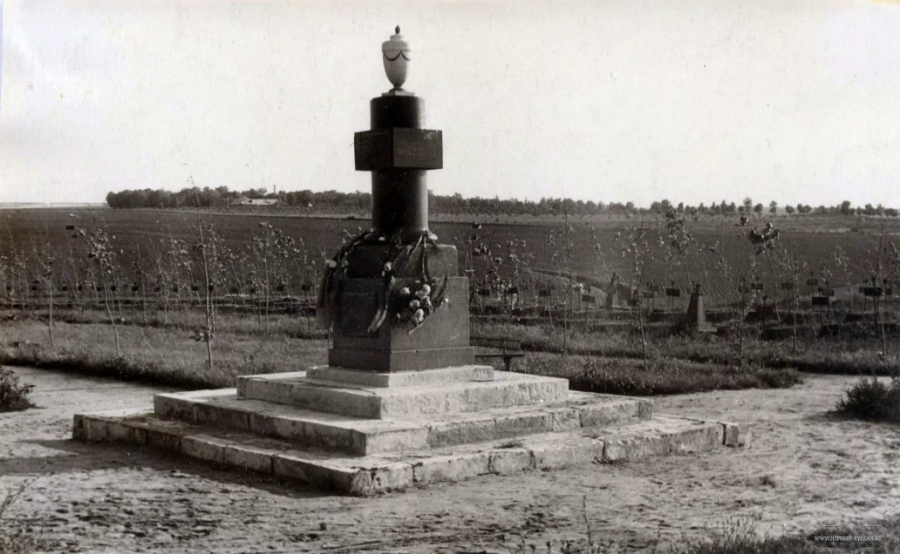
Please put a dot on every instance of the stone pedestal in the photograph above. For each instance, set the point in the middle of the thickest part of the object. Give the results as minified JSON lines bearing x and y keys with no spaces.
{"x":363,"y":432}
{"x":441,"y":341}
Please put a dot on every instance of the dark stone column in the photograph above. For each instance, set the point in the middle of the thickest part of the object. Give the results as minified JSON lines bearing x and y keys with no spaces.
{"x":399,"y":201}
{"x":397,"y":110}
{"x":398,"y":152}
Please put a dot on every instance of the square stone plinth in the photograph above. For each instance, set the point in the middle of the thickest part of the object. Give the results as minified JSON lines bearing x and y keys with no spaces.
{"x":441,"y":341}
{"x":404,"y":402}
{"x":458,"y":374}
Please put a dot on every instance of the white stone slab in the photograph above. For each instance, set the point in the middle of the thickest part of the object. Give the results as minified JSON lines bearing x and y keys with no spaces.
{"x":408,"y":402}
{"x":459,"y":374}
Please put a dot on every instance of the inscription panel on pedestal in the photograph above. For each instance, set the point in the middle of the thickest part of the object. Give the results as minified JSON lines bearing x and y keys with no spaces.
{"x":358,"y":309}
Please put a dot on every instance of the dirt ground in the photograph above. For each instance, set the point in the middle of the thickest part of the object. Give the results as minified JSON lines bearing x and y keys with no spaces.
{"x":805,"y":466}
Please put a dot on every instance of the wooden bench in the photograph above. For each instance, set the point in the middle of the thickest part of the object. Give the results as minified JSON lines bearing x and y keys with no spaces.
{"x":509,"y":348}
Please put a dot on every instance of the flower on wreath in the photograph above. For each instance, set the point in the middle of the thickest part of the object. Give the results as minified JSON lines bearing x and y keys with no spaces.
{"x":415,"y":303}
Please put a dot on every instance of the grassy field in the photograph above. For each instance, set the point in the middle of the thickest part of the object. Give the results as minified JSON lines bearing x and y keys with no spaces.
{"x":636,"y":377}
{"x":850,"y":356}
{"x":168,"y":356}
{"x":594,"y":249}
{"x":159,"y":340}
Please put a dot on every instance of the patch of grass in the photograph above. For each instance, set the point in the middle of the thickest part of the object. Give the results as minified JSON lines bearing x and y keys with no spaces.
{"x":735,"y":536}
{"x":739,"y":536}
{"x":658,"y":376}
{"x":161,"y":356}
{"x":13,"y":396}
{"x":873,"y":399}
{"x":846,"y":356}
{"x":15,"y":539}
{"x":170,"y":357}
{"x":234,"y":321}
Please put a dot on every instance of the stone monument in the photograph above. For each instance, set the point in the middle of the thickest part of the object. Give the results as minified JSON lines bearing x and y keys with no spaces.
{"x":408,"y":307}
{"x":696,"y":312}
{"x":612,"y":292}
{"x":401,"y":402}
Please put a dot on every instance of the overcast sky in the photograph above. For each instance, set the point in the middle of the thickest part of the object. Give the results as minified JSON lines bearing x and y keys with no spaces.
{"x":694,"y":101}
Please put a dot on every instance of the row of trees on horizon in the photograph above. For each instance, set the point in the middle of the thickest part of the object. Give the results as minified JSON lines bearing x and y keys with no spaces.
{"x":341,"y":202}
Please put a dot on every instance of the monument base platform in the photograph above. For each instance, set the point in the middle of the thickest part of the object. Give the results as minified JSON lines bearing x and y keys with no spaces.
{"x":452,"y":424}
{"x":343,"y":394}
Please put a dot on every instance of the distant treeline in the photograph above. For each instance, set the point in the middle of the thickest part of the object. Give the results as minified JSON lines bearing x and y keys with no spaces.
{"x":341,"y":202}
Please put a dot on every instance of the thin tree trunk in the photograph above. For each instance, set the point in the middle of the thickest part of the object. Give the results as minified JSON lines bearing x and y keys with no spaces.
{"x":566,"y":325}
{"x":50,"y":323}
{"x":112,"y":318}
{"x":741,"y":336}
{"x":643,"y":336}
{"x":208,"y":335}
{"x":266,"y":264}
{"x":775,"y":284}
{"x":796,"y":306}
{"x":165,"y":309}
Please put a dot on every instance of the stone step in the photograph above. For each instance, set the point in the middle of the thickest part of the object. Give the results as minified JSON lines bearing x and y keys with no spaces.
{"x":441,"y":376}
{"x":360,"y":436}
{"x":395,"y":471}
{"x":374,"y":402}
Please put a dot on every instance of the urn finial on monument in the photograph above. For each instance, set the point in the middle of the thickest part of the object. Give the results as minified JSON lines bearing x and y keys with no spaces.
{"x":395,"y":53}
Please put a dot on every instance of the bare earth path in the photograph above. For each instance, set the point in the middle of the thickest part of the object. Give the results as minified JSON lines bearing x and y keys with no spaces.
{"x":804,"y":467}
